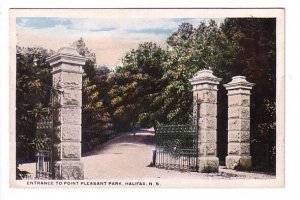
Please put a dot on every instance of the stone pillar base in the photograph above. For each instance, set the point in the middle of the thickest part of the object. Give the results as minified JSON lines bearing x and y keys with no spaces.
{"x":208,"y":164}
{"x":69,"y":170}
{"x":239,"y":162}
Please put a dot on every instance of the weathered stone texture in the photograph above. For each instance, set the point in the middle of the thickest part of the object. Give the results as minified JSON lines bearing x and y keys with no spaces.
{"x":245,"y":112}
{"x":208,"y":109}
{"x":67,"y":79}
{"x":238,"y":136}
{"x":71,"y":115}
{"x":245,"y":124}
{"x":207,"y":122}
{"x":238,"y":162}
{"x":205,"y":90}
{"x":71,"y":150}
{"x":72,"y":79}
{"x":208,"y":164}
{"x":72,"y":98}
{"x":238,"y":123}
{"x":208,"y":136}
{"x":245,"y":100}
{"x":57,"y":80}
{"x":67,"y":115}
{"x":238,"y":148}
{"x":71,"y":132}
{"x":69,"y":170}
{"x":234,"y":124}
{"x":238,"y":100}
{"x":208,"y":149}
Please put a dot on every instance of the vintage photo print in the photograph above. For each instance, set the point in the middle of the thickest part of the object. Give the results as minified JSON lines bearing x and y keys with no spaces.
{"x":146,"y":98}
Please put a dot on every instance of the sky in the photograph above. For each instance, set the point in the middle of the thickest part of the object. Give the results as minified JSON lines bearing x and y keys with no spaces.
{"x":108,"y":38}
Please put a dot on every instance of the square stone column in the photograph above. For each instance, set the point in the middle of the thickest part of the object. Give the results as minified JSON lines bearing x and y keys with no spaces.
{"x":239,"y":123}
{"x":67,"y":101}
{"x":205,"y":87}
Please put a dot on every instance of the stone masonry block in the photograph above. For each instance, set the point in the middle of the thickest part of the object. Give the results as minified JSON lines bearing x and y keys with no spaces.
{"x":208,"y":149}
{"x":57,"y":80}
{"x":234,"y":112}
{"x":239,"y":112}
{"x":71,"y":132}
{"x":245,"y":100}
{"x":208,"y":136}
{"x":71,"y":150}
{"x":245,"y":112}
{"x":208,"y":109}
{"x":245,"y":148}
{"x":207,"y":123}
{"x":66,"y":132}
{"x":69,"y":170}
{"x":234,"y":100}
{"x":238,"y":149}
{"x":238,"y":124}
{"x":72,"y":79}
{"x":70,"y":115}
{"x":210,"y":96}
{"x":234,"y":136}
{"x":208,"y":164}
{"x":239,"y":100}
{"x":234,"y":124}
{"x":238,"y":136}
{"x":245,"y":136}
{"x":238,"y":162}
{"x":245,"y":124}
{"x":234,"y":149}
{"x":206,"y":96}
{"x":72,"y":97}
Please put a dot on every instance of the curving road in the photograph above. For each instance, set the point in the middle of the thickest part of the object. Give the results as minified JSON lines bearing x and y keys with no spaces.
{"x":128,"y":157}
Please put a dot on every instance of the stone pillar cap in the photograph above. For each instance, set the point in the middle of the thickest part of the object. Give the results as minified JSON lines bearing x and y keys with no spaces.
{"x":70,"y":50}
{"x":67,"y":54}
{"x":205,"y":76}
{"x":239,"y":82}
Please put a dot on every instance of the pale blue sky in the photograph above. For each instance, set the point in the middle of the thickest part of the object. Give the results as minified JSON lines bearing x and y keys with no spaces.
{"x":109,"y":38}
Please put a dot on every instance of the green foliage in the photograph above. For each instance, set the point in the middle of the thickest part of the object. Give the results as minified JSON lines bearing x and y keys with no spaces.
{"x":96,"y":118}
{"x":33,"y":83}
{"x":136,"y":83}
{"x":190,"y":50}
{"x":256,"y":59}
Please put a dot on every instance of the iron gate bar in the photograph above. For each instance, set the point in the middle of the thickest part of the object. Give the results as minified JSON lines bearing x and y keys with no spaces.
{"x":177,"y":145}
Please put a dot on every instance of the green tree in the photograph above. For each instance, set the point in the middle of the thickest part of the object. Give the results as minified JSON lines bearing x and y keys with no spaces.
{"x":137,"y":83}
{"x":190,"y":50}
{"x":256,"y":59}
{"x":33,"y":90}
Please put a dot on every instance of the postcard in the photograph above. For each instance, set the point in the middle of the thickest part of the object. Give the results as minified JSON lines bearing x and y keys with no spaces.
{"x":146,"y":98}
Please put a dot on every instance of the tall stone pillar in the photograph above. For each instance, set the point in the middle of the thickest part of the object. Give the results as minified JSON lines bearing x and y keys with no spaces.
{"x":238,"y":123}
{"x":67,"y":101}
{"x":205,"y":87}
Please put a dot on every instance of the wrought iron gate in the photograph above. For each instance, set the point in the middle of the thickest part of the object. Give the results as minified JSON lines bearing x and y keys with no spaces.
{"x":44,"y":164}
{"x":177,"y":145}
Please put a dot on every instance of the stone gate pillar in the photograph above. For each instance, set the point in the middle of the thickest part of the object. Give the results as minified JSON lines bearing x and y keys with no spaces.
{"x":205,"y":86}
{"x":238,"y":123}
{"x":67,"y":100}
